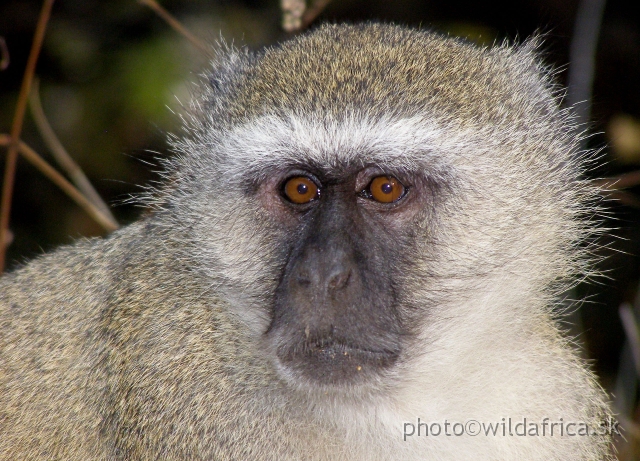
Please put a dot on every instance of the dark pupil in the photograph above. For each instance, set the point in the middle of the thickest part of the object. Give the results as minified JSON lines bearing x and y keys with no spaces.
{"x":386,"y":188}
{"x":302,"y":189}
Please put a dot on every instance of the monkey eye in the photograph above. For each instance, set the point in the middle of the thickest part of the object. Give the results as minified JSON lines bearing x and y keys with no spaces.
{"x":384,"y":189}
{"x":301,"y":190}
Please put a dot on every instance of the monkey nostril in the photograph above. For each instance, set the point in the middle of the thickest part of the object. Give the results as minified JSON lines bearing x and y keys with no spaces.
{"x":303,"y":279}
{"x":339,"y":280}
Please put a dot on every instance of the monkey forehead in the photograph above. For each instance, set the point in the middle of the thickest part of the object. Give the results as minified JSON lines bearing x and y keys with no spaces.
{"x":408,"y":144}
{"x":389,"y":70}
{"x":421,"y":145}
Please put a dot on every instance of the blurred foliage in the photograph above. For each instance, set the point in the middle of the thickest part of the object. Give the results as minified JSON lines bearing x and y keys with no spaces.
{"x":624,"y":137}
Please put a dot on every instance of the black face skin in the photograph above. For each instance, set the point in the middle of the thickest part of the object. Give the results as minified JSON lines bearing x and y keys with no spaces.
{"x":336,"y":317}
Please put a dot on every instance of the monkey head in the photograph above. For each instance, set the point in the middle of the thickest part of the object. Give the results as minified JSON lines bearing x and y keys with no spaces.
{"x":365,"y":197}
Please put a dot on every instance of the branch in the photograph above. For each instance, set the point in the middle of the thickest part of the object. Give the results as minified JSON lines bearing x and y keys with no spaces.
{"x":631,"y":332}
{"x":62,"y":156}
{"x":313,"y":12}
{"x":176,"y":25}
{"x":292,"y":11}
{"x":582,"y":57}
{"x":32,"y":157}
{"x":296,"y":16}
{"x":622,"y":181}
{"x":16,"y":128}
{"x":4,"y":53}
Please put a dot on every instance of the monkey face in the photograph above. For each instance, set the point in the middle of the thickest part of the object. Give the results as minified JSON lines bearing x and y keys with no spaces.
{"x":354,"y":207}
{"x":325,"y":242}
{"x":337,"y":317}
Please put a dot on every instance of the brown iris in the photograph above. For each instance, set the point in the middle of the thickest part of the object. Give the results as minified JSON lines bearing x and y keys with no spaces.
{"x":386,"y":189}
{"x":301,"y":189}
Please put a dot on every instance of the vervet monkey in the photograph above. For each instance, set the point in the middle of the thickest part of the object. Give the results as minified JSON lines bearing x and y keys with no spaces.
{"x":365,"y":229}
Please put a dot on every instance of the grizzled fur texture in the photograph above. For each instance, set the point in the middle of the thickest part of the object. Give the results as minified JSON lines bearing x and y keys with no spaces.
{"x":150,"y":344}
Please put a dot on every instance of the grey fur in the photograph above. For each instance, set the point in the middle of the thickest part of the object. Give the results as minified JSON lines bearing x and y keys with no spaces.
{"x":149,"y":344}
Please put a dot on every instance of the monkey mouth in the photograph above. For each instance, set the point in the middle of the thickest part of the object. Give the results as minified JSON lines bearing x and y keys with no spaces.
{"x":332,"y":362}
{"x":333,"y":349}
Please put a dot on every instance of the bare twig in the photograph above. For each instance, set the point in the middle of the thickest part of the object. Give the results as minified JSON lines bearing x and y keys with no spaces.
{"x":32,"y":157}
{"x":9,"y":238}
{"x":313,"y":12}
{"x":296,"y":16}
{"x":4,"y":53}
{"x":292,"y":11}
{"x":176,"y":25}
{"x":631,"y":331}
{"x":62,"y":156}
{"x":613,"y":188}
{"x":16,"y":127}
{"x":623,"y":181}
{"x":582,"y":56}
{"x":629,"y":426}
{"x":624,"y":198}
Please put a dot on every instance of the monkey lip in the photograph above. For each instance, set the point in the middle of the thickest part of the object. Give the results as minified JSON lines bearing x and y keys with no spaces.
{"x":335,"y":362}
{"x":334,"y":350}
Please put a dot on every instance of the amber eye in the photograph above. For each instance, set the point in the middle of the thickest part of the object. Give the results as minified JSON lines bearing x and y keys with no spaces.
{"x":301,"y":189}
{"x":385,"y":189}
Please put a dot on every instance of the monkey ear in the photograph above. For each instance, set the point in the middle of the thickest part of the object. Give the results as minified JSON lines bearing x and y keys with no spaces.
{"x":227,"y":67}
{"x":216,"y":87}
{"x":532,"y":53}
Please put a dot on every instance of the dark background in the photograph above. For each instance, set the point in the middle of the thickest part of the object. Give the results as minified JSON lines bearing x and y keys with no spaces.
{"x":109,"y":70}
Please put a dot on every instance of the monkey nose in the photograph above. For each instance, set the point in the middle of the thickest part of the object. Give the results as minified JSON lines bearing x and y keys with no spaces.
{"x":338,"y":278}
{"x":335,"y":278}
{"x":322,"y":272}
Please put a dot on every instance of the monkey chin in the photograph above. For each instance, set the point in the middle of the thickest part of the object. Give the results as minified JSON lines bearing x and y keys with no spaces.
{"x":334,"y":365}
